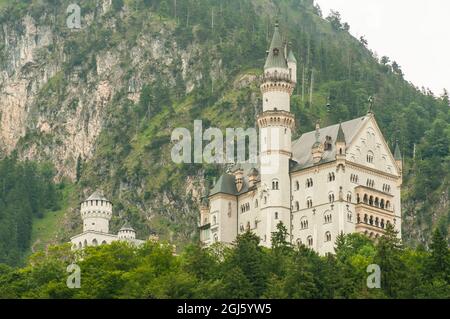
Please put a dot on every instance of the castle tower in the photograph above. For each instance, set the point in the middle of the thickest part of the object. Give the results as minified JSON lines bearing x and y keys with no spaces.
{"x":126,"y":232}
{"x":340,"y":144}
{"x":96,"y":212}
{"x":317,"y":148}
{"x":398,"y":157}
{"x":275,"y":127}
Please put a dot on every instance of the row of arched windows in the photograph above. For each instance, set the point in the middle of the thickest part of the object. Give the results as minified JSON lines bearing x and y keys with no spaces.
{"x":370,"y":220}
{"x":245,"y":207}
{"x":370,"y":200}
{"x":93,"y":243}
{"x":310,"y":242}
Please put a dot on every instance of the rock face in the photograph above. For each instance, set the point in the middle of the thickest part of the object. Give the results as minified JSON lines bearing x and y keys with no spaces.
{"x":54,"y":109}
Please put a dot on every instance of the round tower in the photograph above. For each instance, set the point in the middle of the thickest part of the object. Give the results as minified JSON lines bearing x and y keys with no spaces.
{"x":126,"y":232}
{"x":275,"y":126}
{"x":96,"y":212}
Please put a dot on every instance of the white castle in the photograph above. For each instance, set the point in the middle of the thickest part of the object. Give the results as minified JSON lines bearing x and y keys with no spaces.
{"x":337,"y":179}
{"x":96,"y":212}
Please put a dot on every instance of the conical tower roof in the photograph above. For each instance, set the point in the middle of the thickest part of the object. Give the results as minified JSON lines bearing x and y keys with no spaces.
{"x":340,"y":136}
{"x":276,"y":58}
{"x":397,"y":153}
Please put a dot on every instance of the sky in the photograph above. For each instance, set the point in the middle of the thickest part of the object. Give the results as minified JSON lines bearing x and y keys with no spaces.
{"x":414,"y":33}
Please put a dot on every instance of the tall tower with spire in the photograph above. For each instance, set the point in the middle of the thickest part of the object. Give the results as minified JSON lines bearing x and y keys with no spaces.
{"x":275,"y":126}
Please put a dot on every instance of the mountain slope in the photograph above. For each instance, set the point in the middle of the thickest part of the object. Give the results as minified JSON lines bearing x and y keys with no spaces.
{"x":101,"y":102}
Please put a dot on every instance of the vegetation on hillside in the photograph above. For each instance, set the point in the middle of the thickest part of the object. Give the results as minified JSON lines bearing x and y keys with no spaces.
{"x":245,"y":270}
{"x":27,"y":192}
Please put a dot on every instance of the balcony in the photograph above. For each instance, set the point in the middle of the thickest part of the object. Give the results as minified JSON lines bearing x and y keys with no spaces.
{"x":372,"y":220}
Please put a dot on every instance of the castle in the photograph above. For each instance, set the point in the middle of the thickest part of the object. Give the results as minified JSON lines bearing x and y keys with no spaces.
{"x":337,"y":179}
{"x":96,"y":212}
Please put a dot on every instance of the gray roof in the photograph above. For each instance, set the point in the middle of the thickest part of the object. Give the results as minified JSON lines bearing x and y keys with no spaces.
{"x":97,"y":195}
{"x":126,"y":226}
{"x":226,"y":183}
{"x":291,"y":57}
{"x":276,"y":57}
{"x":301,"y":147}
{"x":302,"y":155}
{"x":341,"y":136}
{"x":397,"y":153}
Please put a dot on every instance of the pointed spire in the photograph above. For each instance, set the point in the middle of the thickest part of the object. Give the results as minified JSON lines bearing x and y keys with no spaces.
{"x":340,"y":136}
{"x":317,"y":135}
{"x":291,"y":56}
{"x":276,"y":57}
{"x":397,"y":153}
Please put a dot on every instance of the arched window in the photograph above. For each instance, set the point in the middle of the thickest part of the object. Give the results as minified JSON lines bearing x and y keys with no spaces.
{"x":104,"y":242}
{"x":94,"y":242}
{"x":85,"y":243}
{"x":349,"y":197}
{"x":371,"y":200}
{"x":382,"y":203}
{"x":331,"y":197}
{"x":365,"y":199}
{"x":309,"y":202}
{"x":297,"y":185}
{"x":275,"y":184}
{"x":366,"y":218}
{"x":371,"y":220}
{"x":214,"y":220}
{"x":297,"y":205}
{"x":276,"y":215}
{"x":377,"y":202}
{"x":369,"y":157}
{"x":327,"y":217}
{"x":388,"y":205}
{"x":310,"y":241}
{"x":304,"y":222}
{"x":349,"y":216}
{"x":327,"y":236}
{"x":80,"y":245}
{"x":216,"y":238}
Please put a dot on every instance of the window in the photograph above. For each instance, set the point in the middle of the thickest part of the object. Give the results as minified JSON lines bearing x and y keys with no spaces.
{"x":327,"y":236}
{"x":297,"y":205}
{"x":275,"y":184}
{"x":354,"y":178}
{"x":310,"y":241}
{"x":331,"y":177}
{"x":304,"y":223}
{"x":349,"y":216}
{"x":241,"y":228}
{"x":370,"y":183}
{"x":216,"y":238}
{"x":276,"y":215}
{"x":386,"y":188}
{"x":265,"y":200}
{"x":331,"y":197}
{"x":309,"y":183}
{"x":297,"y":185}
{"x":369,"y":157}
{"x":214,"y":220}
{"x":349,"y":198}
{"x":327,"y":217}
{"x":256,"y":203}
{"x":309,"y":203}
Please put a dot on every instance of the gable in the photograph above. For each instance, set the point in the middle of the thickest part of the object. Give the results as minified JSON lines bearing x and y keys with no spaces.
{"x":369,"y":148}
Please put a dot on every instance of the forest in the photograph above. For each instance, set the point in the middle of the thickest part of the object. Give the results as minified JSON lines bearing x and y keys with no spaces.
{"x":243,"y":270}
{"x":27,"y":191}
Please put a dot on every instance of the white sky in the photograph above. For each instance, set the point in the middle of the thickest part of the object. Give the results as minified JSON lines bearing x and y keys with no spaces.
{"x":415,"y":33}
